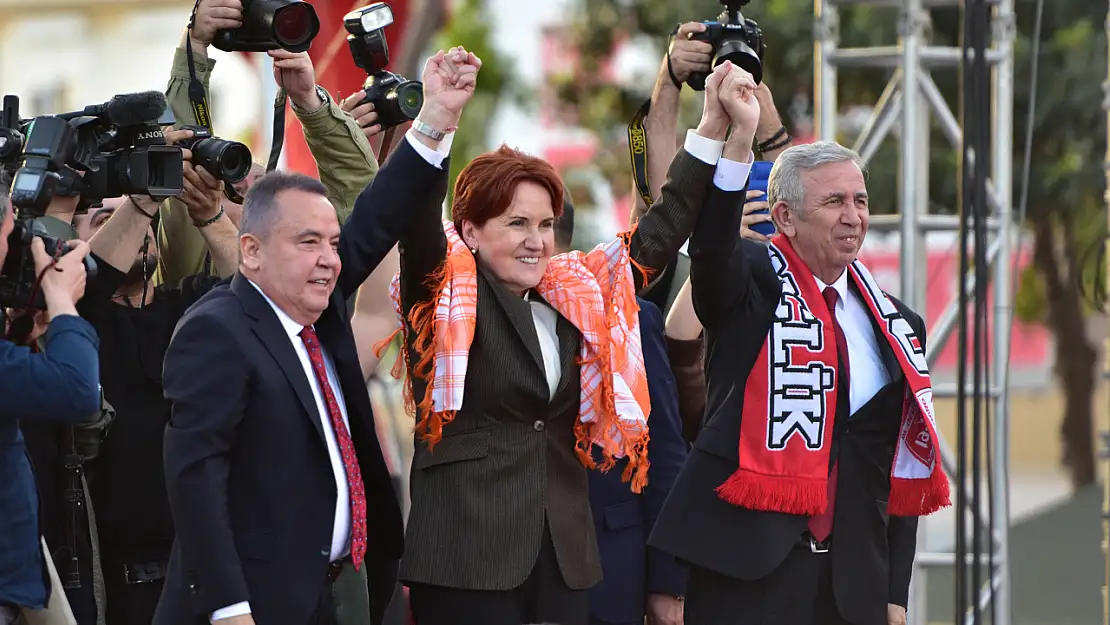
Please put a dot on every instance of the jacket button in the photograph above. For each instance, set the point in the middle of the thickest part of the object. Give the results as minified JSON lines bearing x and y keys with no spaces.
{"x":326,"y":551}
{"x":538,"y":426}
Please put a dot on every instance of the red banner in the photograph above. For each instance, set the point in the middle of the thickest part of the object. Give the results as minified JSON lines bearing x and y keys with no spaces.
{"x":335,"y":70}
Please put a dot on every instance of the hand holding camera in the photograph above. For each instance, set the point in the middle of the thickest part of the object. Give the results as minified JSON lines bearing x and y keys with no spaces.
{"x":689,"y":56}
{"x":364,"y":113}
{"x":63,"y":280}
{"x":214,"y":16}
{"x":449,"y":81}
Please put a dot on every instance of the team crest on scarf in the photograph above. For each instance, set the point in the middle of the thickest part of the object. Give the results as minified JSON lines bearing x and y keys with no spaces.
{"x":791,"y":397}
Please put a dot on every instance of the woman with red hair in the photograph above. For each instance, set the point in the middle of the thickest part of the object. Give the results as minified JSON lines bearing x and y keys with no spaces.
{"x":521,"y":362}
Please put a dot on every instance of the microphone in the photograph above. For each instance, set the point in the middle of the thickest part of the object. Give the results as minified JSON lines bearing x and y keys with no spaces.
{"x":127,"y":109}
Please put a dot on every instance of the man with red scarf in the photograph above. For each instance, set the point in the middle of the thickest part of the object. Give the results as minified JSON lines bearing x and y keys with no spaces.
{"x":799,"y":503}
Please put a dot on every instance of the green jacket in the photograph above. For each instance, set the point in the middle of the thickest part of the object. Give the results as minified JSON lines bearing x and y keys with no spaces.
{"x":344,"y":158}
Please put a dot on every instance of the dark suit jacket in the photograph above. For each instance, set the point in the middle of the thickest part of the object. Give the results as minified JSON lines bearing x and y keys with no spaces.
{"x":735,"y":292}
{"x":623,"y":519}
{"x":62,"y":385}
{"x":506,"y":466}
{"x":249,"y":478}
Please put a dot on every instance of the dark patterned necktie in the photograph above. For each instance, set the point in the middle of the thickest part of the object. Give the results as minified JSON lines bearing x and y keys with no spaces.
{"x":821,"y":525}
{"x":346,"y":449}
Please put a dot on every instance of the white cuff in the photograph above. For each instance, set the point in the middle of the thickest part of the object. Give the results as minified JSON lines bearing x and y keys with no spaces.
{"x":435,"y":157}
{"x":705,"y":150}
{"x":732,"y":175}
{"x":239,"y":609}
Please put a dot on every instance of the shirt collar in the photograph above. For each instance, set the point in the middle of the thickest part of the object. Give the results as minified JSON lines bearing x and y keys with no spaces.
{"x":292,"y":328}
{"x":841,"y":286}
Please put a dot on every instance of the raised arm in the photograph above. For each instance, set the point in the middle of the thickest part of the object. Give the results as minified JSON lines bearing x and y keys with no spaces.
{"x":344,"y":157}
{"x":661,"y":122}
{"x":413,"y":182}
{"x":669,"y":222}
{"x":181,"y":247}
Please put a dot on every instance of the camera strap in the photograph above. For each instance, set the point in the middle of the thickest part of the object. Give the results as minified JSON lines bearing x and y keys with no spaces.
{"x":202,"y":111}
{"x":637,"y":136}
{"x":279,"y":131}
{"x":637,"y":152}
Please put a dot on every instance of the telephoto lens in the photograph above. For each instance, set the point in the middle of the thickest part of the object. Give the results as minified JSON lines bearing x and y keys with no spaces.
{"x":229,"y":161}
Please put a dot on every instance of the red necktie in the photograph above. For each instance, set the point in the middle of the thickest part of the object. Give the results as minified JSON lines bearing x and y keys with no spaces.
{"x":821,"y":525}
{"x":346,"y":449}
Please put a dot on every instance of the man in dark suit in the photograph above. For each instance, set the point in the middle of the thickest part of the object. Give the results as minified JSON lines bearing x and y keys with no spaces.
{"x":62,"y":384}
{"x":637,"y":580}
{"x":756,"y":557}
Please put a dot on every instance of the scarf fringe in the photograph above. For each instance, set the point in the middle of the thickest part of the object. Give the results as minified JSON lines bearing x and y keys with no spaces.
{"x":429,"y":424}
{"x":788,"y":494}
{"x":919,"y":497}
{"x":608,"y":431}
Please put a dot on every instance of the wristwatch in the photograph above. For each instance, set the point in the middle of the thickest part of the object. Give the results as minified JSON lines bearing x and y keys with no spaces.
{"x":427,"y":130}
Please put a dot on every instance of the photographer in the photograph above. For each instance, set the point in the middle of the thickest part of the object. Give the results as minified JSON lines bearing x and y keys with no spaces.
{"x":345,"y":159}
{"x":61,"y":385}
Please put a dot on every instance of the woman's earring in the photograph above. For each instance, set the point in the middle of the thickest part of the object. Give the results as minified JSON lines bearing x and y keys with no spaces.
{"x":473,"y":250}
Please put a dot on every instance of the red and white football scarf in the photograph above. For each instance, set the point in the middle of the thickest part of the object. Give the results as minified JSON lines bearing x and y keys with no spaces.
{"x":790,"y":404}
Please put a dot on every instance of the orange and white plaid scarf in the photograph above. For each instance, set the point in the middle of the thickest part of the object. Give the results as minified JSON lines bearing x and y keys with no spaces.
{"x":595,"y":291}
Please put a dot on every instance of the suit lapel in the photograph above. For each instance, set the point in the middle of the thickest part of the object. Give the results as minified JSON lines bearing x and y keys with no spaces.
{"x":890,"y":361}
{"x":568,"y":351}
{"x":270,"y":331}
{"x":520,"y":314}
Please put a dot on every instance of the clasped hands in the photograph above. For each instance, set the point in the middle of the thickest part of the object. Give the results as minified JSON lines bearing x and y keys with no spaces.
{"x":730,"y":100}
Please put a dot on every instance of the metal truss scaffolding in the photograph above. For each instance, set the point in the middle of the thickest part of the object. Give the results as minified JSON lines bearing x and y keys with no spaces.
{"x":913,"y":101}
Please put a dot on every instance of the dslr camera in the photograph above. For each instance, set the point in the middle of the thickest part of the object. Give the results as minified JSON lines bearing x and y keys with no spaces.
{"x":734,"y":38}
{"x":269,"y":25}
{"x":229,"y":161}
{"x":396,"y":99}
{"x":119,"y":147}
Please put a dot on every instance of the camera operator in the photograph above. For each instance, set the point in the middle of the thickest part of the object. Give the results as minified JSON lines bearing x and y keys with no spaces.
{"x":345,"y":158}
{"x":60,"y":385}
{"x":135,"y":320}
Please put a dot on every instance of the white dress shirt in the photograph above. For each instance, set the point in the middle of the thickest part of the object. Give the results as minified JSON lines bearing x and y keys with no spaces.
{"x":341,"y":529}
{"x":545,"y":318}
{"x":868,"y":374}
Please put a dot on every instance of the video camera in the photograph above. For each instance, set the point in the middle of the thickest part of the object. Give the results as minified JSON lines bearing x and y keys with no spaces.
{"x":269,"y":25}
{"x":734,"y":38}
{"x":396,"y":99}
{"x":118,"y":145}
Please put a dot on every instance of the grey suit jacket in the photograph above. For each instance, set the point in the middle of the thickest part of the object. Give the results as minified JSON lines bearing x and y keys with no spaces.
{"x":506,"y":466}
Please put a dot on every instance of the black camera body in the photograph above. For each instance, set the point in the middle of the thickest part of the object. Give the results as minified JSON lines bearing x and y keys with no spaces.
{"x":734,"y":38}
{"x":127,"y":160}
{"x":229,"y":161}
{"x":271,"y":24}
{"x":396,"y":99}
{"x":119,"y":147}
{"x":18,"y":280}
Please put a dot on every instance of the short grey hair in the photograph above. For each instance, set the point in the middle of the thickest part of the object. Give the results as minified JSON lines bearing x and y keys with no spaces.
{"x":785,"y":182}
{"x":260,"y":209}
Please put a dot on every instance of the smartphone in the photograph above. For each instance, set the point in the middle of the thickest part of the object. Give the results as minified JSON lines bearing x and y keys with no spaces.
{"x":757,"y":181}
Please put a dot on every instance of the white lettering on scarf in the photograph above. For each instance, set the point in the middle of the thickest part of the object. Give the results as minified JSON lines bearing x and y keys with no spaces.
{"x":797,"y":392}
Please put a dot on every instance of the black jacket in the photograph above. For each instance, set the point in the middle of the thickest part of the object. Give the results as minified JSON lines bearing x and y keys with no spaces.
{"x":248,"y":473}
